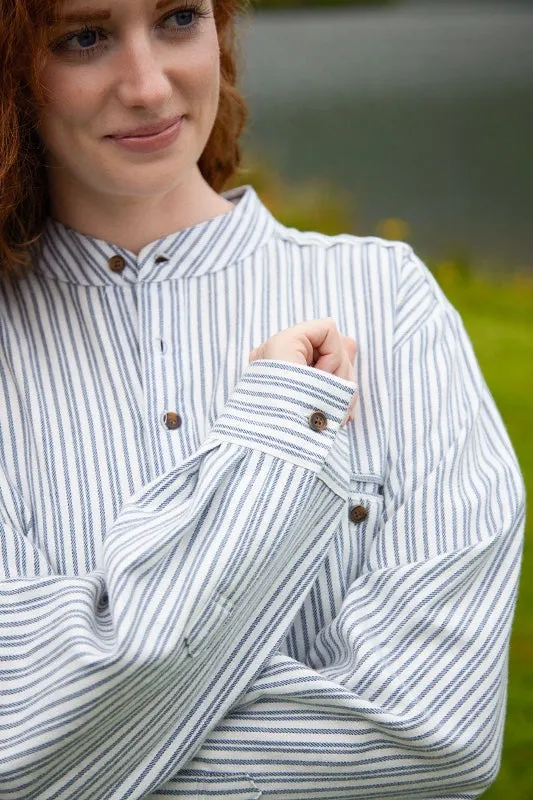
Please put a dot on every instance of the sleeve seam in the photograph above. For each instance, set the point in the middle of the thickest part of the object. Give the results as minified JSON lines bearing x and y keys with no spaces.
{"x":439,"y":299}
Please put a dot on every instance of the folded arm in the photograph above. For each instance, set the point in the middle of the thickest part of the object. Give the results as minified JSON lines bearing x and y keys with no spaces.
{"x":403,"y":694}
{"x":111,"y":680}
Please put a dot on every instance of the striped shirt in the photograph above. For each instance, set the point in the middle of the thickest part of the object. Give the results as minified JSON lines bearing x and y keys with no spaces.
{"x":241,"y":606}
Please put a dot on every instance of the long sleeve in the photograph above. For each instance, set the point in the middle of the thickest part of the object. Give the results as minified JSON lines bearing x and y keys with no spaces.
{"x":403,"y":693}
{"x":110,"y":680}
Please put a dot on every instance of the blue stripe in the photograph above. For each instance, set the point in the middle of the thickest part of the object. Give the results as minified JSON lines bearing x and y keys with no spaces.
{"x":191,"y":612}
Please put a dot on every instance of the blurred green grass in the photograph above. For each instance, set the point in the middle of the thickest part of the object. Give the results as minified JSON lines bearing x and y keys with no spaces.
{"x":498,"y":315}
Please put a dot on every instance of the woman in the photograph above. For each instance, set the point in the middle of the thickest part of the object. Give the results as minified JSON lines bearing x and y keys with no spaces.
{"x":212,"y":585}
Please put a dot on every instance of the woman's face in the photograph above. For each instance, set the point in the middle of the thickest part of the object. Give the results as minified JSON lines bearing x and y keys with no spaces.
{"x":116,"y":66}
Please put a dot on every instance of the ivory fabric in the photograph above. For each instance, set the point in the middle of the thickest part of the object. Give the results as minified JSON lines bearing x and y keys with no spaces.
{"x":191,"y":612}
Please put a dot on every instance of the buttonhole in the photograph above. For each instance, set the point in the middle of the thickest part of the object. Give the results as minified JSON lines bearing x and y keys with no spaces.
{"x":162,"y":345}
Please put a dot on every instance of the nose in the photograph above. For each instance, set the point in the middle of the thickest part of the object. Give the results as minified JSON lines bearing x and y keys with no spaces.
{"x":142,"y":78}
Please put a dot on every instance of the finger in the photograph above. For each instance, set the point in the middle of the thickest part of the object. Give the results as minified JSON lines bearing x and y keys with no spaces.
{"x":345,"y":368}
{"x":349,"y":350}
{"x":328,"y":343}
{"x":350,"y":345}
{"x":254,"y":354}
{"x":322,"y":334}
{"x":350,"y":414}
{"x":351,"y":410}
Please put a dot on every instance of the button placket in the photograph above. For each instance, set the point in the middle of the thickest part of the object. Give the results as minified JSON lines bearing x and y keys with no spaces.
{"x":163,"y":437}
{"x":161,"y":345}
{"x":171,"y":420}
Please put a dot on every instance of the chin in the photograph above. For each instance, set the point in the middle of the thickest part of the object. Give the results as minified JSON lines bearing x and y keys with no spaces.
{"x":142,"y":182}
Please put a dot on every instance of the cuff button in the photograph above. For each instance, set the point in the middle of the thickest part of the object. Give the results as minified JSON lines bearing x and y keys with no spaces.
{"x":358,"y":514}
{"x":318,"y":421}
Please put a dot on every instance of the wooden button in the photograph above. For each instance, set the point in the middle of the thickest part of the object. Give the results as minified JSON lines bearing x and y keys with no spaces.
{"x":358,"y":514}
{"x":318,"y":421}
{"x":160,"y":260}
{"x":171,"y":420}
{"x":116,"y":263}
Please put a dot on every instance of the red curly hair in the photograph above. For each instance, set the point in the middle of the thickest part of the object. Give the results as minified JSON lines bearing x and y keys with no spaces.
{"x":24,"y":202}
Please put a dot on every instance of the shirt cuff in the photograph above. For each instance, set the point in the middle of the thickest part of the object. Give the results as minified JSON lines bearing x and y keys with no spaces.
{"x":273,"y":409}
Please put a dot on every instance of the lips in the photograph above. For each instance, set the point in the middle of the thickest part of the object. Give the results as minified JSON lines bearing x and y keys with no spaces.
{"x":146,"y":130}
{"x":148,"y":144}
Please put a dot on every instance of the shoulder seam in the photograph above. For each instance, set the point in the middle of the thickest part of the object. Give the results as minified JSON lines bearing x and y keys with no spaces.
{"x":329,"y":240}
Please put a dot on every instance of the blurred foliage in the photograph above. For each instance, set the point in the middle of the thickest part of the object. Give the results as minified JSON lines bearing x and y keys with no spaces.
{"x":312,"y":205}
{"x":394,"y":229}
{"x":498,"y":315}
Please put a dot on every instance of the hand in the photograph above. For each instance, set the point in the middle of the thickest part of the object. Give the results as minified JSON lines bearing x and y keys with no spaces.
{"x":317,"y":343}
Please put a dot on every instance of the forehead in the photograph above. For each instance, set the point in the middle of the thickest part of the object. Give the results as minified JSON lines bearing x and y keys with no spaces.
{"x":101,"y":10}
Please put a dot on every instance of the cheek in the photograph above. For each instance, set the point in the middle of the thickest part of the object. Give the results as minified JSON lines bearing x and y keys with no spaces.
{"x":69,"y":100}
{"x":204,"y":71}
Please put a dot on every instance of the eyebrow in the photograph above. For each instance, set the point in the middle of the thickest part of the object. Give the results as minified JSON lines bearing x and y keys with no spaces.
{"x":95,"y":15}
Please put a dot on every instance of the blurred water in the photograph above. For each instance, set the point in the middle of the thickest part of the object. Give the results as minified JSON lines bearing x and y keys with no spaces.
{"x":424,"y":111}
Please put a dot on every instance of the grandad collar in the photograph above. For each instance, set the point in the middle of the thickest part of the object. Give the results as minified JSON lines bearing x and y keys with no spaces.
{"x":67,"y":255}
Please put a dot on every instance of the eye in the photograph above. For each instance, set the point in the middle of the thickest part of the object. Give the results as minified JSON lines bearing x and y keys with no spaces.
{"x":88,"y":42}
{"x":88,"y":39}
{"x":184,"y":18}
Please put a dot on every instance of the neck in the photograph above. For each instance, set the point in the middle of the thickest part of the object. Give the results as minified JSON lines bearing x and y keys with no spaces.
{"x":133,"y":222}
